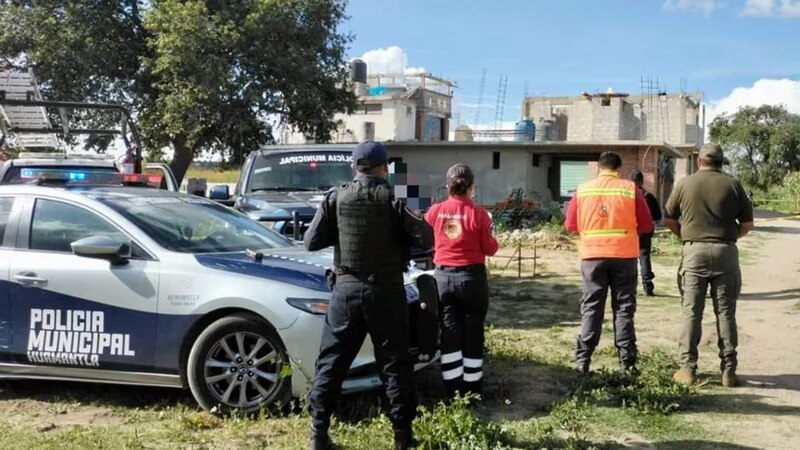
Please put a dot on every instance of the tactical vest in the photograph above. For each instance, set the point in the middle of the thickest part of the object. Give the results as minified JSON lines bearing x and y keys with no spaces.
{"x":607,"y":218}
{"x":369,"y":238}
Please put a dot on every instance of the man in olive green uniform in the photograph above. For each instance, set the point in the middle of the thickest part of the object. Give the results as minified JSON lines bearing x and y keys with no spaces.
{"x":714,"y":212}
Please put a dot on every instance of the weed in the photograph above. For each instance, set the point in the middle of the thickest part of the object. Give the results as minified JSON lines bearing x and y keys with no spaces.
{"x":198,"y":421}
{"x":651,"y":391}
{"x":458,"y":426}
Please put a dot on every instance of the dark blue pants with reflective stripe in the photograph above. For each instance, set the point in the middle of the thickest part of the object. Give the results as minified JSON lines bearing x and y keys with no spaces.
{"x":464,"y":300}
{"x":358,"y":309}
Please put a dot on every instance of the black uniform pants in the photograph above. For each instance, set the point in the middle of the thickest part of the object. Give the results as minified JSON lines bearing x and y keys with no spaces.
{"x":599,"y":275}
{"x":645,"y":248}
{"x":464,"y":300}
{"x":357,"y":309}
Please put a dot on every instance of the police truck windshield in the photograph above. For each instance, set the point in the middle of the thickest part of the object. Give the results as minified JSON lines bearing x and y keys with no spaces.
{"x":301,"y":171}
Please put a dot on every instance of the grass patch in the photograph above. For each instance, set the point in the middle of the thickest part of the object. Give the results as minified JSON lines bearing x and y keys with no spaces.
{"x":221,"y":175}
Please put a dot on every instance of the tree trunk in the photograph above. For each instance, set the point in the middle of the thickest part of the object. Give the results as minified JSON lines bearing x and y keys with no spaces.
{"x":182,"y":158}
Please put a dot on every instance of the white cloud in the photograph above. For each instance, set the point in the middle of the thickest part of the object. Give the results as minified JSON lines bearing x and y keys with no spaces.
{"x":705,"y":6}
{"x":392,"y":60}
{"x":765,"y":91}
{"x":790,"y":8}
{"x":772,"y":8}
{"x":759,"y":8}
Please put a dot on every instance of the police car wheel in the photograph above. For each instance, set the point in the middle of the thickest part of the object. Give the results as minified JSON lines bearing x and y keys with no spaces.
{"x":239,"y":364}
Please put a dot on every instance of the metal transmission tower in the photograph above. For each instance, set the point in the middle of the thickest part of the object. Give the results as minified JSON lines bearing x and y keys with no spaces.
{"x":501,"y":101}
{"x":480,"y":99}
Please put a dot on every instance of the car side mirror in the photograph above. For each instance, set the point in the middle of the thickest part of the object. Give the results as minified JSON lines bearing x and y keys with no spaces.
{"x":102,"y":247}
{"x":220,"y":192}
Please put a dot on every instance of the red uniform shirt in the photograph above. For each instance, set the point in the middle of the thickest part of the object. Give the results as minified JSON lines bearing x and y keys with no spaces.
{"x":463,"y":233}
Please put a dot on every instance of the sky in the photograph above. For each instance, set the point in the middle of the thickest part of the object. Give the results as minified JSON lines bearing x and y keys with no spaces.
{"x":737,"y":52}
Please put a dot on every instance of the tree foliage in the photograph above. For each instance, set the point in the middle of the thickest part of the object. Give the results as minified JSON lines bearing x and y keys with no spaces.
{"x":208,"y":75}
{"x":764,"y":143}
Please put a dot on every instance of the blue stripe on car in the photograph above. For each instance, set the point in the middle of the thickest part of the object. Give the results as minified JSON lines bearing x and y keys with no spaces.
{"x":273,"y":267}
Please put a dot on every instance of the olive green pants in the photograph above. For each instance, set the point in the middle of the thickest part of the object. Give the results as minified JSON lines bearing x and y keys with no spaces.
{"x":709,"y":265}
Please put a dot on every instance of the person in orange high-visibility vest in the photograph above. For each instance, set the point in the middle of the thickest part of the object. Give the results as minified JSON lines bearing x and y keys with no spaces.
{"x":609,"y":213}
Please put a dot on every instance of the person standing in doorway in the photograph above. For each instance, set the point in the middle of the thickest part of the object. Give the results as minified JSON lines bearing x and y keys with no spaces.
{"x":714,"y":213}
{"x":463,"y":236}
{"x":609,"y":213}
{"x":371,"y":233}
{"x":646,"y":239}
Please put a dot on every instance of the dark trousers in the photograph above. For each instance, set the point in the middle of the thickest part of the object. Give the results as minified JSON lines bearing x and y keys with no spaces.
{"x":620,"y":275}
{"x":357,"y":309}
{"x":645,"y":266}
{"x":463,"y":300}
{"x":709,"y":266}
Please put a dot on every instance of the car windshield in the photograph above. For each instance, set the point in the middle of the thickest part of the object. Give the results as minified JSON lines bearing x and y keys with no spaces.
{"x":303,"y":171}
{"x":189,"y":225}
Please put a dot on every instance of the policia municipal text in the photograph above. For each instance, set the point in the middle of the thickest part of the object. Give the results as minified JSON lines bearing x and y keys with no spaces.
{"x":372,"y":234}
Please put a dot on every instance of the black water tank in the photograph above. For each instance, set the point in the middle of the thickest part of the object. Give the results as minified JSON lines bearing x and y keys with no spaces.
{"x":358,"y":71}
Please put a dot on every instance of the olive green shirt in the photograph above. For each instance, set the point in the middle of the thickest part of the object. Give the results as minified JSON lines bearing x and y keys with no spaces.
{"x":710,"y":206}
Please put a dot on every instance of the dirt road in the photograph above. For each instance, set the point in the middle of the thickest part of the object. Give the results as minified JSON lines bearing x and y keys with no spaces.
{"x":765,"y":411}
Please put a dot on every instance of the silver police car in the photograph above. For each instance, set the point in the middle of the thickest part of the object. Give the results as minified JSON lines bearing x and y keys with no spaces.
{"x":145,"y":286}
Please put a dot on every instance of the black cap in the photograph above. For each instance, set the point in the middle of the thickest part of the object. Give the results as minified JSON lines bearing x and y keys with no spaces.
{"x":637,"y":176}
{"x":370,"y":154}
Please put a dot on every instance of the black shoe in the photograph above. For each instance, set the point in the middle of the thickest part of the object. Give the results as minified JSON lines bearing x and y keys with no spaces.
{"x":649,"y":289}
{"x":404,"y":439}
{"x":629,"y":368}
{"x":320,"y":440}
{"x":582,"y":368}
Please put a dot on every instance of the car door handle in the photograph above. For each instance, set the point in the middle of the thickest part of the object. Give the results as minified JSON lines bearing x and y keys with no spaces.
{"x":30,"y":279}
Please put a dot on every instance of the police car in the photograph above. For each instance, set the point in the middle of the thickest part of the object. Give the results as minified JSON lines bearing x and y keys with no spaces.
{"x":143,"y":286}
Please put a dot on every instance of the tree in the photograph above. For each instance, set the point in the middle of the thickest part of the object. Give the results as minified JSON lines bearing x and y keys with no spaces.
{"x":764,"y":143}
{"x":209,"y":75}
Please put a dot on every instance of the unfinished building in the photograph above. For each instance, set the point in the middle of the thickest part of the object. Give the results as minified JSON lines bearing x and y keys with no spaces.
{"x":392,"y":108}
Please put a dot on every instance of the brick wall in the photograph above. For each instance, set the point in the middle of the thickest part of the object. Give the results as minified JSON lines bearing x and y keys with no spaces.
{"x":641,"y":159}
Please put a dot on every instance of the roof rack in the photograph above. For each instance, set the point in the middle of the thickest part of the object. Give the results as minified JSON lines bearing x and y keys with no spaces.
{"x":62,"y":155}
{"x":23,"y":114}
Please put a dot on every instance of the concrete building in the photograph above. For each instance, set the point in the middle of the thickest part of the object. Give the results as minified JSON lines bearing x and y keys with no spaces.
{"x":501,"y":167}
{"x":394,"y":108}
{"x":675,"y":118}
{"x":659,"y":135}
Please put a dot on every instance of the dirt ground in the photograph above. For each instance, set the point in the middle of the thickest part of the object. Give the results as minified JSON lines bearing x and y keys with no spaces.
{"x":532,"y":327}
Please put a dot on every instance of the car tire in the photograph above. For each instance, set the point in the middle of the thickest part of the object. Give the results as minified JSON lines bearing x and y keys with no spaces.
{"x":239,"y":353}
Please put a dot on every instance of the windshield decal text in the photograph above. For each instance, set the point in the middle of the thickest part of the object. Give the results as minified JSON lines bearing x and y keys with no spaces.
{"x":73,"y":337}
{"x":300,"y":159}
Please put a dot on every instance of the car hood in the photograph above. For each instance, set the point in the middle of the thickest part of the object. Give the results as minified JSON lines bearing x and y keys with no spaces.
{"x":275,"y":203}
{"x":291,"y":265}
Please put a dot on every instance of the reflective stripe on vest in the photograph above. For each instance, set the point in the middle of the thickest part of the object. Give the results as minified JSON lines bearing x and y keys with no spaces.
{"x":607,"y":218}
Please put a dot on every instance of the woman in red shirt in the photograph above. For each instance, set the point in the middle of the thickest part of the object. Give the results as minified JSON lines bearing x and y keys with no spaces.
{"x":463,"y":234}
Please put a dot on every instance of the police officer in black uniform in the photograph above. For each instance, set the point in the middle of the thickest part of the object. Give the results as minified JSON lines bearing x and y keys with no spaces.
{"x":372,"y":234}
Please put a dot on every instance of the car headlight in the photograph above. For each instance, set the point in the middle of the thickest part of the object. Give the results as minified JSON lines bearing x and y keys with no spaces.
{"x":316,"y":306}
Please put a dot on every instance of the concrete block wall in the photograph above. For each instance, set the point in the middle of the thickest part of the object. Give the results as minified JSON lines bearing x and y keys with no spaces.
{"x":579,"y":124}
{"x":606,"y":120}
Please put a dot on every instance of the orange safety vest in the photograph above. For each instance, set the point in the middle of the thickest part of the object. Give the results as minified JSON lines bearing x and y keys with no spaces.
{"x":607,"y":218}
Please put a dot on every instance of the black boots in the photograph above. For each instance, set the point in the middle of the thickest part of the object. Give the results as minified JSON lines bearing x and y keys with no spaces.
{"x":404,"y":439}
{"x":320,"y":440}
{"x":649,"y":289}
